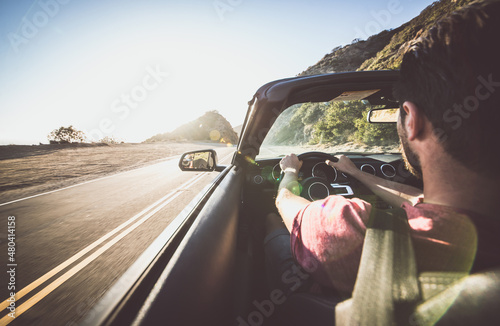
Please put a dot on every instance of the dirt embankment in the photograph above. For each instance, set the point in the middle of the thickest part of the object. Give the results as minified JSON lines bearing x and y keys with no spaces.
{"x":29,"y":170}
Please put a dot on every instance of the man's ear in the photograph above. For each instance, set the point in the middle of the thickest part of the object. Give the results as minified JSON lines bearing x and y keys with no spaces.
{"x":414,"y":121}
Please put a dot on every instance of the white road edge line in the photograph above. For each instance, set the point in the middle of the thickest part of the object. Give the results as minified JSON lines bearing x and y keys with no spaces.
{"x":227,"y":156}
{"x":63,"y":278}
{"x":90,"y":181}
{"x":60,"y":280}
{"x":174,"y":193}
{"x":83,"y":183}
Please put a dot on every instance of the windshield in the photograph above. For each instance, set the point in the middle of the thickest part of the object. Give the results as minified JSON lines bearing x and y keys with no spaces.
{"x":331,"y":127}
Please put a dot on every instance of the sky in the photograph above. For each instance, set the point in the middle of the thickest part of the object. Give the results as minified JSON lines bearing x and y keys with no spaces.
{"x":131,"y":69}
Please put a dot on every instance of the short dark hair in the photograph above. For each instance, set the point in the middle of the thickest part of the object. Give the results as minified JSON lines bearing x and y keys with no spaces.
{"x":452,"y":73}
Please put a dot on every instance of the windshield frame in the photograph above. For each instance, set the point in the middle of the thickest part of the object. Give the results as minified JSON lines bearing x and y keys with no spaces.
{"x":302,"y":128}
{"x":274,"y":97}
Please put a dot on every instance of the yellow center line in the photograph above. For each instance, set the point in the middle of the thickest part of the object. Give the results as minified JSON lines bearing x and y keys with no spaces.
{"x":40,"y":295}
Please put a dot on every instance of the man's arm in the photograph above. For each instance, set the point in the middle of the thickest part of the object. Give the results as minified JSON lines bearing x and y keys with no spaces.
{"x":394,"y":193}
{"x":288,"y":201}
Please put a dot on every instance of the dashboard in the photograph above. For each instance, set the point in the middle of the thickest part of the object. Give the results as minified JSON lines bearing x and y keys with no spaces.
{"x":320,"y":180}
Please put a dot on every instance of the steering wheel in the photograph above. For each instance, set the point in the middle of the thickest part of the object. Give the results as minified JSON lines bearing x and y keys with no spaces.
{"x":326,"y":156}
{"x":314,"y":188}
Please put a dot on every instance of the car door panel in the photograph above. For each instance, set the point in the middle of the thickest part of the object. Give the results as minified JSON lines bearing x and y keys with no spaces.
{"x":196,"y":286}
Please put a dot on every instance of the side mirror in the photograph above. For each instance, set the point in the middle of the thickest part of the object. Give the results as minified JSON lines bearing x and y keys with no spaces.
{"x":384,"y":115}
{"x":204,"y":160}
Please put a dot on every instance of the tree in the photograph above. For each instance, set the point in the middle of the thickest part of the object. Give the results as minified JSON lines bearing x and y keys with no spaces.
{"x":110,"y":140}
{"x":66,"y":135}
{"x":338,"y":122}
{"x":375,"y":133}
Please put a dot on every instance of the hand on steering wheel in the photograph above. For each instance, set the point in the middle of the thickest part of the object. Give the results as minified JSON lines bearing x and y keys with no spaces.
{"x":314,"y":188}
{"x":343,"y":164}
{"x":290,"y":163}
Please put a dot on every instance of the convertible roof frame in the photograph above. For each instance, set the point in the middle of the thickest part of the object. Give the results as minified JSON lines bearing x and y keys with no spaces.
{"x":273,"y":98}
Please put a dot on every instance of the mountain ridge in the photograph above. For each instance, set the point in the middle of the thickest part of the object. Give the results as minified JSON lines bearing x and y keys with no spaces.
{"x":211,"y":126}
{"x":383,"y":51}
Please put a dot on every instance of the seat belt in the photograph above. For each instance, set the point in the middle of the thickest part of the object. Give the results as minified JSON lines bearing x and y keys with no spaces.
{"x":386,"y":290}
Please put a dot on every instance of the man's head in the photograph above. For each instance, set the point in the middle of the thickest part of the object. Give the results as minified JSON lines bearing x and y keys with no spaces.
{"x":451,"y":76}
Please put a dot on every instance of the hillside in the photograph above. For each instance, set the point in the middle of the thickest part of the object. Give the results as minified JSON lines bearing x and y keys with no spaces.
{"x":352,"y":56}
{"x":211,"y":126}
{"x":384,"y":50}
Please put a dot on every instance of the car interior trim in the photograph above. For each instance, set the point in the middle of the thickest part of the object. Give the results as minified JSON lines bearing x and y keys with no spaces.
{"x":368,"y":168}
{"x":392,"y":168}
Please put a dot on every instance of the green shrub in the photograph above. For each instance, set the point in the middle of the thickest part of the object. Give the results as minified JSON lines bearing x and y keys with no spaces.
{"x":330,"y":123}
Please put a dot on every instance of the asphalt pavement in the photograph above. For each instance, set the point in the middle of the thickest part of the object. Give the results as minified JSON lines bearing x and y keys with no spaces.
{"x":62,"y":250}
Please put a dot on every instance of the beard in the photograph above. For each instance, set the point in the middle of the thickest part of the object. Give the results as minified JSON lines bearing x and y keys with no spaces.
{"x":410,"y":158}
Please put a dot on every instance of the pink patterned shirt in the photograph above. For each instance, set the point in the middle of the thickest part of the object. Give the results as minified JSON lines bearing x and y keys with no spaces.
{"x":327,"y":239}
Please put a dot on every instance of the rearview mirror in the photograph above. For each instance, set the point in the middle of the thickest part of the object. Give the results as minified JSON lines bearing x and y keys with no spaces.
{"x":384,"y":115}
{"x":204,"y":160}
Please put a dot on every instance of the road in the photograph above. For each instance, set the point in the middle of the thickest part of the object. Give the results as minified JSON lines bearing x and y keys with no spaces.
{"x":71,"y":245}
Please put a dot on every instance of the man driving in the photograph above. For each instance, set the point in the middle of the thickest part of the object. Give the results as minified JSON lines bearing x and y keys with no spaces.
{"x":449,"y":128}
